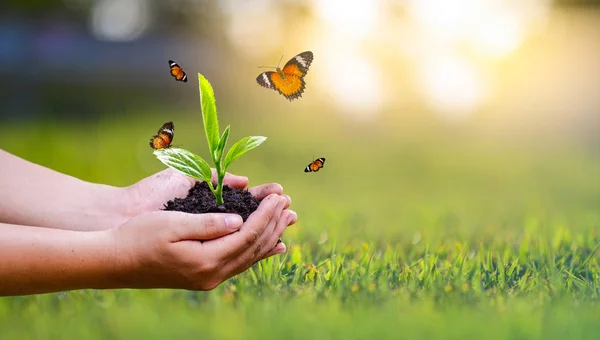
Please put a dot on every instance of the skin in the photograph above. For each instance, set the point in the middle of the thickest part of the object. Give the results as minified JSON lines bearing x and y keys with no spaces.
{"x":60,"y":233}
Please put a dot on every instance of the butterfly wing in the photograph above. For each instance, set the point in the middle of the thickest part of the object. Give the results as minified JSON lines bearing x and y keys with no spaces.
{"x":315,"y":166}
{"x":174,"y":68}
{"x":177,"y":71}
{"x":167,"y":127}
{"x":182,"y":76}
{"x":292,"y":84}
{"x":157,"y":142}
{"x":164,"y":136}
{"x":320,"y":162}
{"x":298,"y":65}
{"x":264,"y":79}
{"x":291,"y":87}
{"x":167,"y":132}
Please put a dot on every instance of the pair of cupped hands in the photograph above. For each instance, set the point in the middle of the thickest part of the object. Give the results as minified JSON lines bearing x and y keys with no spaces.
{"x":162,"y":247}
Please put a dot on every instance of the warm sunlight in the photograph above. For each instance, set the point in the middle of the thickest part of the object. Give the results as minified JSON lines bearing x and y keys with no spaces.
{"x":492,"y":27}
{"x":452,"y":47}
{"x":348,"y":75}
{"x":350,"y":19}
{"x":499,"y":36}
{"x":358,"y":92}
{"x":328,"y":169}
{"x":449,"y":19}
{"x":451,"y":77}
{"x":453,"y":87}
{"x":245,"y":36}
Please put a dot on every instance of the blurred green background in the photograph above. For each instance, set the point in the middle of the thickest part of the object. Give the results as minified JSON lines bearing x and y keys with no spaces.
{"x":446,"y":125}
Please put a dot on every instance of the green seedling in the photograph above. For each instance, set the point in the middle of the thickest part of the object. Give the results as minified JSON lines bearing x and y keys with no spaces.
{"x":193,"y":165}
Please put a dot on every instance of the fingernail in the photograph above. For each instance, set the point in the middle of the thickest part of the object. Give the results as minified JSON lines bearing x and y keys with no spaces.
{"x":282,"y":248}
{"x":233,"y":221}
{"x":288,"y":199}
{"x":293,"y":217}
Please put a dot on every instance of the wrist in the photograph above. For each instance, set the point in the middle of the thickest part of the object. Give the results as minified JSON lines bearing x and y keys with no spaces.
{"x":112,"y":207}
{"x":98,"y":253}
{"x":121,"y":259}
{"x":116,"y":266}
{"x":111,"y":263}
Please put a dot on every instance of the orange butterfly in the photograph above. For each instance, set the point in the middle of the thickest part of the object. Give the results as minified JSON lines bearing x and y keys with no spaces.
{"x":164,"y":138}
{"x":288,"y":81}
{"x":177,"y":72}
{"x":316,"y":165}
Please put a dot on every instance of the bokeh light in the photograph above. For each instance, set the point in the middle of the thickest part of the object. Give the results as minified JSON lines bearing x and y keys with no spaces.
{"x":351,"y":80}
{"x":247,"y":25}
{"x":120,"y":20}
{"x":349,"y":19}
{"x":451,"y":60}
{"x":452,"y":86}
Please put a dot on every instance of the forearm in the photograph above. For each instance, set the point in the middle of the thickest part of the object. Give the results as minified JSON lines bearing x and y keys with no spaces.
{"x":35,"y":195}
{"x":42,"y":260}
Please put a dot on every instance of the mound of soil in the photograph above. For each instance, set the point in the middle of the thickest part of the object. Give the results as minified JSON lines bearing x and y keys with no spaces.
{"x":201,"y":200}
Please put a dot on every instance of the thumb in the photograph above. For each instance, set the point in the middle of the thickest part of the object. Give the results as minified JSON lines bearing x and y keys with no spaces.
{"x":204,"y":226}
{"x":231,"y":180}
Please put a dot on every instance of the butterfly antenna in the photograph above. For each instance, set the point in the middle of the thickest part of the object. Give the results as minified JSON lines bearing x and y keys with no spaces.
{"x":267,"y":67}
{"x":279,"y":63}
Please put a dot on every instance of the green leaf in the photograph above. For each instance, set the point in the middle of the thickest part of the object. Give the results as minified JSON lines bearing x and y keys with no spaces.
{"x":185,"y":162}
{"x":209,"y":113}
{"x":222,"y":143}
{"x":241,"y":147}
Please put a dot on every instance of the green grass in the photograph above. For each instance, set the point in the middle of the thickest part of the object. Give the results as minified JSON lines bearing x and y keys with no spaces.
{"x":415,"y":233}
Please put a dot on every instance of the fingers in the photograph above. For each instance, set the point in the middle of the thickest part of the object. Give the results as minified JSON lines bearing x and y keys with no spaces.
{"x":262,"y":191}
{"x":267,"y":240}
{"x":254,"y":227}
{"x":231,"y":180}
{"x":280,"y":248}
{"x":263,"y":245}
{"x":288,"y":217}
{"x":288,"y":201}
{"x":202,"y":226}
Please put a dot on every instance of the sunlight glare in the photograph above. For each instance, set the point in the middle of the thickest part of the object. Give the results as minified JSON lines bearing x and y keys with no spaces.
{"x":358,"y":92}
{"x":493,"y":27}
{"x":449,"y":30}
{"x":453,"y":86}
{"x":447,"y":18}
{"x":247,"y":25}
{"x":499,"y":36}
{"x":352,"y":19}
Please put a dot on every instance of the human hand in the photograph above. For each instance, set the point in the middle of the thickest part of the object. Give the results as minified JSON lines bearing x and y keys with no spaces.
{"x":152,"y":193}
{"x":160,"y":249}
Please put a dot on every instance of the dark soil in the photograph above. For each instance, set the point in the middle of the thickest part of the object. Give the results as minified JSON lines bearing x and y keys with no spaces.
{"x":201,"y":200}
